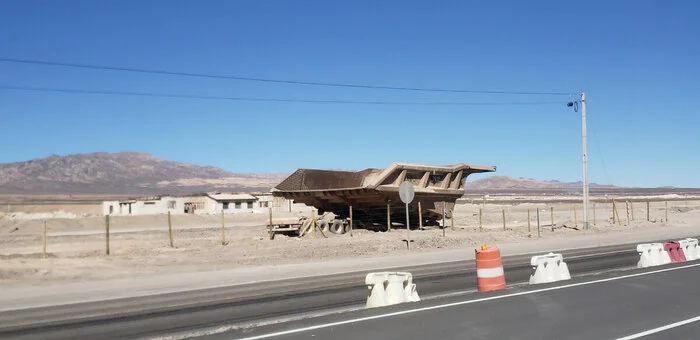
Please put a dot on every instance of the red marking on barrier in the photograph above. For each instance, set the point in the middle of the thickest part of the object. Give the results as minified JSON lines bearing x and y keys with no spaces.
{"x":674,"y":251}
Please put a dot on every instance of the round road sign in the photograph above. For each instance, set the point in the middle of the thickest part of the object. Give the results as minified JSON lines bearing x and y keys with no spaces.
{"x":406,"y":192}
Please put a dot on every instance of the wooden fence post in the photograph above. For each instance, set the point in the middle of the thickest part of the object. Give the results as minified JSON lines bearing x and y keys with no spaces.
{"x":170,"y":230}
{"x":528,"y":221}
{"x":272,"y":235}
{"x":503,"y":211}
{"x":43,"y":250}
{"x":648,"y":217}
{"x":223,"y":230}
{"x":594,"y":214}
{"x":666,"y":211}
{"x":350,"y":221}
{"x":480,"y":220}
{"x":420,"y":216}
{"x":575,"y":218}
{"x":617,"y":214}
{"x":632,"y":210}
{"x":551,"y":215}
{"x":443,"y":219}
{"x":107,"y":234}
{"x":388,"y":216}
{"x":538,"y":223}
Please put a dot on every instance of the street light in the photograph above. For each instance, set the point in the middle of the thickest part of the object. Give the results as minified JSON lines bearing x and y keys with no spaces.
{"x":584,"y":142}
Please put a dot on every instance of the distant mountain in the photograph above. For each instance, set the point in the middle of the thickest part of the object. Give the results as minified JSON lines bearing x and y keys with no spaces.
{"x":525,"y":184}
{"x":122,"y":173}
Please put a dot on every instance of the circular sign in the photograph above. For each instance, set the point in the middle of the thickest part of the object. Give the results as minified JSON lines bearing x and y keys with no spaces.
{"x":406,"y":192}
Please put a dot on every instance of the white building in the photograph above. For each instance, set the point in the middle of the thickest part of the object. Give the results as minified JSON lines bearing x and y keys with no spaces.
{"x":234,"y":203}
{"x":147,"y":206}
{"x":203,"y":204}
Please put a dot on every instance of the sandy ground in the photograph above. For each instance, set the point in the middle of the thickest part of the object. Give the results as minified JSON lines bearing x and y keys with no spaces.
{"x":139,"y":245}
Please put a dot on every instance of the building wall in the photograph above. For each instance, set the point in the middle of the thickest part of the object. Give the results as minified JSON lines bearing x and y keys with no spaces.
{"x":238,"y":206}
{"x":205,"y":206}
{"x":174,"y":205}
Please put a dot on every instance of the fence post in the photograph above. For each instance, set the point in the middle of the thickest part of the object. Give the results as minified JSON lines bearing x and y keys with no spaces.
{"x":632,"y":210}
{"x":648,"y":217}
{"x":388,"y":216}
{"x":107,"y":234}
{"x":480,"y":224}
{"x":575,"y":218}
{"x":43,"y":250}
{"x":223,"y":231}
{"x":551,"y":213}
{"x":443,"y":219}
{"x":170,"y":230}
{"x":503,"y":211}
{"x":617,"y":214}
{"x":270,"y":226}
{"x":594,"y":214}
{"x":627,"y":208}
{"x":666,"y":211}
{"x":350,"y":221}
{"x":528,"y":221}
{"x":420,"y":216}
{"x":452,"y":219}
{"x":538,"y":223}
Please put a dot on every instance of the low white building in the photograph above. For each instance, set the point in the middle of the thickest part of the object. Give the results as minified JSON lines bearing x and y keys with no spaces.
{"x":234,"y":203}
{"x":203,"y":204}
{"x":146,"y":206}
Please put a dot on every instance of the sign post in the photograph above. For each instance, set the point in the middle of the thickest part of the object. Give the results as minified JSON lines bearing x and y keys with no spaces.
{"x":406,"y":193}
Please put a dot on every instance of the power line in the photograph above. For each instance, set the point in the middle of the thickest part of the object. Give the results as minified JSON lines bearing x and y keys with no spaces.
{"x":254,"y":99}
{"x":268,"y":80}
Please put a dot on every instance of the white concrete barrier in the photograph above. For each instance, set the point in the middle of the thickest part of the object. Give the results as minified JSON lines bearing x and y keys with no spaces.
{"x":690,"y":248}
{"x":652,"y":254}
{"x":549,"y":268}
{"x":390,"y":288}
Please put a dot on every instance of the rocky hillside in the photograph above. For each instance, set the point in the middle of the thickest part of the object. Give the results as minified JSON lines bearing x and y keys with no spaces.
{"x":525,"y":184}
{"x":122,"y":173}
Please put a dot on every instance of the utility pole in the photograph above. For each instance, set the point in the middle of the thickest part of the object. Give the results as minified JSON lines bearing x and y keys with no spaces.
{"x":584,"y":141}
{"x":584,"y":147}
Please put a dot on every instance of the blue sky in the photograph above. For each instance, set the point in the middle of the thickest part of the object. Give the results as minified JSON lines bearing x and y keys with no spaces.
{"x":637,"y":63}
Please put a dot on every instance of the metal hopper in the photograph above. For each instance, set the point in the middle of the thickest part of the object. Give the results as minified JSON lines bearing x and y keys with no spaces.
{"x":374,"y":193}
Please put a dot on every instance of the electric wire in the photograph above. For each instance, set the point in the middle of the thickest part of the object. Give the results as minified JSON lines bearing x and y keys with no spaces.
{"x":257,"y":99}
{"x":269,"y":80}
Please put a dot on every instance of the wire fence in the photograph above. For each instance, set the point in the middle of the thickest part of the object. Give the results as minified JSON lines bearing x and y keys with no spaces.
{"x":128,"y":234}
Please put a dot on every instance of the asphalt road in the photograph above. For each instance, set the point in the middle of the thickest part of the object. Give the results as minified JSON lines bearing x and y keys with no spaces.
{"x":158,"y":315}
{"x":637,"y":304}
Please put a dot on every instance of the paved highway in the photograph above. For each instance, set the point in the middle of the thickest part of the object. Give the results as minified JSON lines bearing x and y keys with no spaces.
{"x":659,"y":303}
{"x":190,"y":312}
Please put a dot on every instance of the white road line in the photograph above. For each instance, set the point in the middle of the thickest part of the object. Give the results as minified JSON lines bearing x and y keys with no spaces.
{"x":660,"y":329}
{"x":454,"y":304}
{"x":598,"y":254}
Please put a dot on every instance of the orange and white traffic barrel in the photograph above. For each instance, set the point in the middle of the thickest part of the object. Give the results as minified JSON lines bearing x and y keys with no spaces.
{"x":489,"y":269}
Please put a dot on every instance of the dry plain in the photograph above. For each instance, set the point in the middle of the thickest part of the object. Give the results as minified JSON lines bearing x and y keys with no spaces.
{"x":139,"y":245}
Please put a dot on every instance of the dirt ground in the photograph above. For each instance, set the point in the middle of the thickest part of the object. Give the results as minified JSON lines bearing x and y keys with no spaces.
{"x":139,"y":245}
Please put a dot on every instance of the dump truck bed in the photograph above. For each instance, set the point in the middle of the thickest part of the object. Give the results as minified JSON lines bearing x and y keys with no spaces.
{"x":373,"y":192}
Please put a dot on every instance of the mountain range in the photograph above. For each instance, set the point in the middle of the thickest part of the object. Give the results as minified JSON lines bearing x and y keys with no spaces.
{"x":139,"y":173}
{"x":123,"y":173}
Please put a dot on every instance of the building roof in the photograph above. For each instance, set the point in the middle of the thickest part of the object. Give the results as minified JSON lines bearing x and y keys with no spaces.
{"x":232,"y":197}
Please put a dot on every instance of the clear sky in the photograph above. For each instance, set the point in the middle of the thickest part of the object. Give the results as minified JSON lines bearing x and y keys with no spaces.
{"x":637,"y":61}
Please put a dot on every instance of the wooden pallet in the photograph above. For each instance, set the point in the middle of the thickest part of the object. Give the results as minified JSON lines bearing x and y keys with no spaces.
{"x":283,"y":227}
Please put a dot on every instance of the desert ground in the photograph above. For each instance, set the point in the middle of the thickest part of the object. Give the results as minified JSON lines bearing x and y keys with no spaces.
{"x":139,"y":245}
